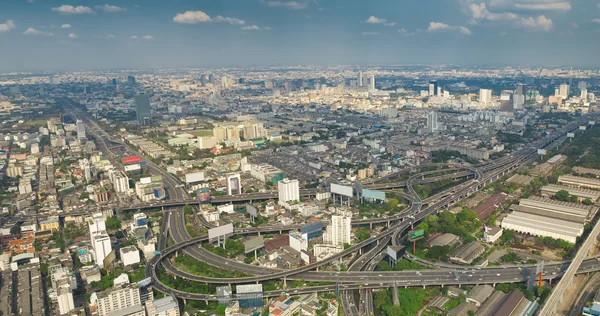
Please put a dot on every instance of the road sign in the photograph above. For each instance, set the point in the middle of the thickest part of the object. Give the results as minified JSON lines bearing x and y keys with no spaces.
{"x":416,"y":234}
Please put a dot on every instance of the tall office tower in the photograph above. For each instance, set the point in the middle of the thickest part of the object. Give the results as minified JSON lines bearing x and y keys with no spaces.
{"x":557,"y":92}
{"x":102,"y":247}
{"x":289,"y":190}
{"x":338,"y":231}
{"x":203,"y":80}
{"x":80,"y":129}
{"x":131,"y":80}
{"x":225,"y":82}
{"x":360,"y":78}
{"x":520,"y":89}
{"x":119,"y":179}
{"x":113,"y":82}
{"x":432,"y":122}
{"x":64,"y":295}
{"x":564,"y":91}
{"x":518,"y":101}
{"x":485,"y":96}
{"x":142,"y":109}
{"x":372,"y":83}
{"x":84,"y":89}
{"x":117,"y":298}
{"x":584,"y":94}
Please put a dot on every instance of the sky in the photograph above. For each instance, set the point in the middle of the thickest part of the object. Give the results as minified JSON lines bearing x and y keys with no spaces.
{"x":45,"y":35}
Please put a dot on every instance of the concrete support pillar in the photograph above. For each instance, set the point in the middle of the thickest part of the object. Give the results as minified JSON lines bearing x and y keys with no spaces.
{"x":395,"y":298}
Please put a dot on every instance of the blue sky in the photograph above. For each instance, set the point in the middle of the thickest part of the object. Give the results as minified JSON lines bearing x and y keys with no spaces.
{"x":89,"y":34}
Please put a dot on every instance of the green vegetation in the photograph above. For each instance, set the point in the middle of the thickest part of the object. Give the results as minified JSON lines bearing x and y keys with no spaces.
{"x":564,"y":196}
{"x":113,"y":223}
{"x":202,"y":268}
{"x":555,"y":243}
{"x":233,"y":248}
{"x":411,"y":301}
{"x":510,"y":257}
{"x":188,"y":210}
{"x":363,"y":234}
{"x":440,"y":156}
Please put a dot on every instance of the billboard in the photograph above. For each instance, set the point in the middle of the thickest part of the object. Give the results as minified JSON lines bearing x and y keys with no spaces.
{"x":249,"y":295}
{"x":146,"y":180}
{"x":416,"y":234}
{"x":582,"y":128}
{"x":254,"y":244}
{"x":109,"y":259}
{"x":392,"y":253}
{"x":223,"y":230}
{"x":592,"y":122}
{"x":541,"y":151}
{"x":194,"y":177}
{"x":130,"y":160}
{"x":251,"y":210}
{"x":571,"y":135}
{"x":145,"y":282}
{"x":203,"y":194}
{"x":133,"y":167}
{"x":372,"y":194}
{"x":342,"y":190}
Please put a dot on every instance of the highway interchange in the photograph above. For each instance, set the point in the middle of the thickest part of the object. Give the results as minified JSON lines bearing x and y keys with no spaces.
{"x":360,"y":274}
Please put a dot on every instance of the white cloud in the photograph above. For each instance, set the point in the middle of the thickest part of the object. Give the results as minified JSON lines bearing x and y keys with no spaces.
{"x":148,"y":37}
{"x":439,"y":26}
{"x":232,"y":21}
{"x":480,"y":12}
{"x":553,"y":6}
{"x":292,"y":5}
{"x":192,"y":17}
{"x":65,"y":26}
{"x":110,"y":8}
{"x":73,"y":35}
{"x":596,"y":21}
{"x":9,"y":25}
{"x":250,"y":28}
{"x":69,"y":9}
{"x":370,"y":33}
{"x":133,"y":37}
{"x":195,"y":17}
{"x":375,"y":20}
{"x":32,"y":31}
{"x":268,"y":28}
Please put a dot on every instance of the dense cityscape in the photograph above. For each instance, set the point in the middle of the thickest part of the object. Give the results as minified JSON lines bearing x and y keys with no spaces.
{"x":299,"y":158}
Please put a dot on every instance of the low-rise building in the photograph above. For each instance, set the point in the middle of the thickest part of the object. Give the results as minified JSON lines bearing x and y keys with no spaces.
{"x":492,"y":234}
{"x":467,"y":253}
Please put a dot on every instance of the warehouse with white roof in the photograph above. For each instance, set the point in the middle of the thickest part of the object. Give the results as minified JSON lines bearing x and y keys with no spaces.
{"x":549,"y":218}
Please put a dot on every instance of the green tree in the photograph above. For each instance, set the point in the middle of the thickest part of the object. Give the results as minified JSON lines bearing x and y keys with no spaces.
{"x":588,"y":201}
{"x":113,"y":223}
{"x":188,"y":210}
{"x":562,"y":195}
{"x":221,"y":310}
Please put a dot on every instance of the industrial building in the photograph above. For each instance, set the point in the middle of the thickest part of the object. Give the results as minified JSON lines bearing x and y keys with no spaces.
{"x":581,"y":193}
{"x":467,"y":253}
{"x":579,"y":181}
{"x":549,"y":218}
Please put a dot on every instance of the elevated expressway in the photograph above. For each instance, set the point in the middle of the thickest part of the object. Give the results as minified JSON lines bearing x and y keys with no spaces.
{"x":383,"y":279}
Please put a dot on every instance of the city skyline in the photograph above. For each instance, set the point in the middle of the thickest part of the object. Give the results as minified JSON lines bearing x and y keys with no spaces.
{"x":60,"y":35}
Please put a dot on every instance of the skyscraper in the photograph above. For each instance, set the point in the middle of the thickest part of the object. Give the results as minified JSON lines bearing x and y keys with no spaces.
{"x":432,"y":123}
{"x":80,"y":129}
{"x":564,"y":91}
{"x":520,"y":89}
{"x":142,"y":109}
{"x":131,"y":80}
{"x":338,"y":232}
{"x":289,"y":190}
{"x":485,"y":96}
{"x":360,"y":78}
{"x":372,"y":83}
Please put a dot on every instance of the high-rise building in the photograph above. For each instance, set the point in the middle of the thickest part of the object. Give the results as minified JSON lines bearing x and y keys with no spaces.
{"x":64,"y":295}
{"x":96,"y":224}
{"x":485,"y":96}
{"x":102,"y":247}
{"x":520,"y":89}
{"x":584,"y":94}
{"x":80,"y":129}
{"x":166,"y":306}
{"x":131,"y":80}
{"x":123,"y":296}
{"x":289,"y":190}
{"x":518,"y":101}
{"x":372,"y":83}
{"x":338,"y":231}
{"x":433,"y":88}
{"x":432,"y":122}
{"x":360,"y":78}
{"x":564,"y":90}
{"x":142,"y":109}
{"x":119,"y":180}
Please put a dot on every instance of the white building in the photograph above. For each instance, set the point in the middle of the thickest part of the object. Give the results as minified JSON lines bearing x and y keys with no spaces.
{"x":372,"y":83}
{"x":338,"y":231}
{"x":119,"y":180}
{"x":129,"y":255}
{"x":563,"y":91}
{"x":289,"y":190}
{"x":298,"y":242}
{"x":102,"y":247}
{"x":80,"y":129}
{"x":432,"y":122}
{"x":234,"y":184}
{"x":485,"y":96}
{"x":116,"y":299}
{"x":492,"y":234}
{"x":166,"y":306}
{"x":65,"y":297}
{"x":96,"y":224}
